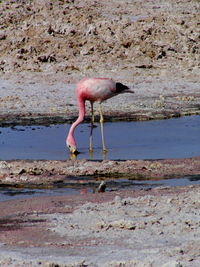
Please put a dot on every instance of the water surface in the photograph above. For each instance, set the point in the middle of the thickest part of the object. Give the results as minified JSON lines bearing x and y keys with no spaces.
{"x":87,"y":185}
{"x":172,"y":138}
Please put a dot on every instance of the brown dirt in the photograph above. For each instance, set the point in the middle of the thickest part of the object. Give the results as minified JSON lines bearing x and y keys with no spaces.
{"x":72,"y":36}
{"x":153,"y":46}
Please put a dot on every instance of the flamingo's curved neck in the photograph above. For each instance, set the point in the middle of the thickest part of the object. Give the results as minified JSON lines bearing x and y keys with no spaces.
{"x":81,"y":105}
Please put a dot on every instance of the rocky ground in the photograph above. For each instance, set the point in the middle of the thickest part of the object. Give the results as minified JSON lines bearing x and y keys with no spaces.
{"x":132,"y":228}
{"x":48,"y":172}
{"x":86,"y":37}
{"x":45,"y":48}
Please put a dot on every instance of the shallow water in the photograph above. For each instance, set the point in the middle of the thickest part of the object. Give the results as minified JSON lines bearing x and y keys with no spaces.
{"x":172,"y":138}
{"x":87,"y":185}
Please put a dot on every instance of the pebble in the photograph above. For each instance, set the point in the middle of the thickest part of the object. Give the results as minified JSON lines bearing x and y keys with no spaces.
{"x":2,"y":35}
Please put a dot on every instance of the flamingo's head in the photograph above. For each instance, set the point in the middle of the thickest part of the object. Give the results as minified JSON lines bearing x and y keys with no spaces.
{"x":121,"y":88}
{"x":71,"y":145}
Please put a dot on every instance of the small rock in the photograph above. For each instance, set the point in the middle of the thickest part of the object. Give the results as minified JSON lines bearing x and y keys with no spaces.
{"x":49,"y":58}
{"x":84,"y":52}
{"x":3,"y":165}
{"x":22,"y":171}
{"x":91,"y":30}
{"x":2,"y":35}
{"x":102,"y":187}
{"x":123,"y":224}
{"x":169,"y":200}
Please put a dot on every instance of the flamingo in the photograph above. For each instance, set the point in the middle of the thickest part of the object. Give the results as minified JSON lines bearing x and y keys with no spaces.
{"x":93,"y":90}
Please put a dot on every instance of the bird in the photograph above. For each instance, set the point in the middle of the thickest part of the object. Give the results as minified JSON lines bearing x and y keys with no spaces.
{"x":93,"y":90}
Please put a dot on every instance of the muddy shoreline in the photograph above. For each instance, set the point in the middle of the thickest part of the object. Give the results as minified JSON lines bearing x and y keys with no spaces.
{"x":47,"y":172}
{"x":9,"y":120}
{"x":23,"y":102}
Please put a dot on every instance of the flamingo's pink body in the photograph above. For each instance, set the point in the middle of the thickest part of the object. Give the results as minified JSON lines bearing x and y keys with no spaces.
{"x":93,"y":89}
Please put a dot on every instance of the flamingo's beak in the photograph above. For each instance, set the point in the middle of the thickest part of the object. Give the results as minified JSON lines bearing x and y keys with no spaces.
{"x":131,"y":91}
{"x":121,"y":88}
{"x":76,"y":152}
{"x":73,"y":149}
{"x":73,"y":154}
{"x":128,"y":91}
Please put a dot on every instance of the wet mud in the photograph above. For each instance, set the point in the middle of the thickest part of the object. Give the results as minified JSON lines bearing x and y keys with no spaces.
{"x":47,"y":172}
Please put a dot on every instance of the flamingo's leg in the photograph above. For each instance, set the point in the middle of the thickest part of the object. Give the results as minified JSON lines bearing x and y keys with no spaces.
{"x":102,"y":129}
{"x":92,"y":126}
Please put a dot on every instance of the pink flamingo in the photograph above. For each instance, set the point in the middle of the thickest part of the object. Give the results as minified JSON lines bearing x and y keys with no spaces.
{"x":93,"y":89}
